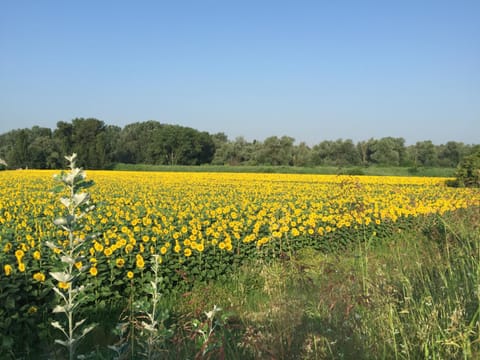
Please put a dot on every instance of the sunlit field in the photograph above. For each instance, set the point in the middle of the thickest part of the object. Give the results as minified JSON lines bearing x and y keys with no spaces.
{"x":203,"y":226}
{"x":194,"y":218}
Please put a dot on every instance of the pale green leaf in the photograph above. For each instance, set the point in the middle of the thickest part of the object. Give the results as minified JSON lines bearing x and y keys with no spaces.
{"x":65,"y":201}
{"x":65,"y":343}
{"x":51,"y":245}
{"x":80,"y":198}
{"x":68,"y":260}
{"x":59,"y":309}
{"x":61,"y":276}
{"x":60,"y":221}
{"x":79,"y":323}
{"x":71,"y":158}
{"x":57,"y":290}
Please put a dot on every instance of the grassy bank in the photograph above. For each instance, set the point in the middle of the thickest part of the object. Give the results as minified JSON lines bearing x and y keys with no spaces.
{"x":413,"y":296}
{"x":325,"y":170}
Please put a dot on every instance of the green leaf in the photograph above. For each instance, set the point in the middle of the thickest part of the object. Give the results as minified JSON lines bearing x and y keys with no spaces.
{"x":57,"y":189}
{"x":10,"y":303}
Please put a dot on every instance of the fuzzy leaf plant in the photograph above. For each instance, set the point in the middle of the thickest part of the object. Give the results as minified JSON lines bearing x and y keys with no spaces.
{"x":77,"y":204}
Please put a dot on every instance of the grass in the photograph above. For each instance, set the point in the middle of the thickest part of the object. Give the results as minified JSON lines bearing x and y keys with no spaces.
{"x":324,"y":170}
{"x":412,"y":296}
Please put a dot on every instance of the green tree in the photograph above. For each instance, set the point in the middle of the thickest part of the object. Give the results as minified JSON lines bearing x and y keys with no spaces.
{"x":302,"y":155}
{"x":136,"y":143}
{"x":423,"y":153}
{"x":388,"y":151}
{"x":88,"y":138}
{"x":62,"y":135}
{"x":468,"y":171}
{"x":450,"y":154}
{"x":276,"y":151}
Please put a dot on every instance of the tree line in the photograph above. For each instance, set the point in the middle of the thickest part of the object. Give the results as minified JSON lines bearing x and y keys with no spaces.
{"x":101,"y":146}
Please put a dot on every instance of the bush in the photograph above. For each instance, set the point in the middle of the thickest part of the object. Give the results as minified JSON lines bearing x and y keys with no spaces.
{"x":468,"y":172}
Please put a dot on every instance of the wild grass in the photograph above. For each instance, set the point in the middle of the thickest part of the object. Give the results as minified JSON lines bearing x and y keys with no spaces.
{"x":412,"y":296}
{"x":323,"y":170}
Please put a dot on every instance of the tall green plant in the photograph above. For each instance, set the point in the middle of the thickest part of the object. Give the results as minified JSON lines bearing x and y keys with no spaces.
{"x":468,"y":172}
{"x":69,"y":290}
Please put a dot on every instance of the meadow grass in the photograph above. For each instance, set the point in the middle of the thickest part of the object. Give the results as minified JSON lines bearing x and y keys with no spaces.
{"x":413,"y":295}
{"x":322,"y":170}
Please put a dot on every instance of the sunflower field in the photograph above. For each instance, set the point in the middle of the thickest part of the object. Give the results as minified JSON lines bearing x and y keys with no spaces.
{"x":200,"y":225}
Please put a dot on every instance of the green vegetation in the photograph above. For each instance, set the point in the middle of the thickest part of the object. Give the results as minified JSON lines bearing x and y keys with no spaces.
{"x":413,"y":295}
{"x":468,"y":172}
{"x":325,"y":170}
{"x":408,"y":292}
{"x":101,"y":146}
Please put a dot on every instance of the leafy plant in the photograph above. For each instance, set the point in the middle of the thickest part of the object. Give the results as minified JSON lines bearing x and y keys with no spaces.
{"x":70,"y":253}
{"x":145,"y":328}
{"x":468,"y":172}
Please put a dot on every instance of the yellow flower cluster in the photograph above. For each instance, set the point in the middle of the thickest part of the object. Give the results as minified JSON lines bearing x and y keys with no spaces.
{"x":184,"y":215}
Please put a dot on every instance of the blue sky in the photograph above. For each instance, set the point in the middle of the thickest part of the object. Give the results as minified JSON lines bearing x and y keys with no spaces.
{"x":313,"y":70}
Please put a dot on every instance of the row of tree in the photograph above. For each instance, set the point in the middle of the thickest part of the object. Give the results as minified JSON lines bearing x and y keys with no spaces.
{"x":387,"y":151}
{"x":100,"y":146}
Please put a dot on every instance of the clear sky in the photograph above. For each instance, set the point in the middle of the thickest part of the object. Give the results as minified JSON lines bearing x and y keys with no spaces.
{"x":313,"y":70}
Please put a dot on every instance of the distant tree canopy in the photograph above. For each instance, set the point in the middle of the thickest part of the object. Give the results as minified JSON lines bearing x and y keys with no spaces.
{"x":100,"y":146}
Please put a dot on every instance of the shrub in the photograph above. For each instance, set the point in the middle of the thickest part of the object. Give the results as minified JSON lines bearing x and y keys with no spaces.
{"x":468,"y":172}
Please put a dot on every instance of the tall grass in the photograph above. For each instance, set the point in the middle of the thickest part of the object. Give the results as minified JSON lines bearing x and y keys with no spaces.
{"x":323,"y":170}
{"x":412,"y":296}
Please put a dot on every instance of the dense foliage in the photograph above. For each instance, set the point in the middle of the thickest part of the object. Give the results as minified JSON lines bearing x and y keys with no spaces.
{"x":99,"y":146}
{"x":468,"y":172}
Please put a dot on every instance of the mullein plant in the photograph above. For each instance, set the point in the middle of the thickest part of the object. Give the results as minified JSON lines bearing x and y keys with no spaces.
{"x":70,"y":253}
{"x":145,"y":333}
